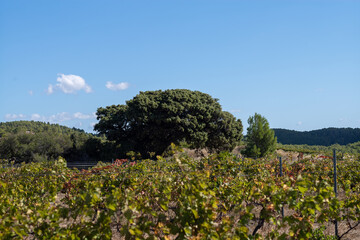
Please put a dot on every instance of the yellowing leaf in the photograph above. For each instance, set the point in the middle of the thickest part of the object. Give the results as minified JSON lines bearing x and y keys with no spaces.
{"x":132,"y":232}
{"x":302,"y":189}
{"x":164,"y":206}
{"x":196,"y":214}
{"x":111,"y":206}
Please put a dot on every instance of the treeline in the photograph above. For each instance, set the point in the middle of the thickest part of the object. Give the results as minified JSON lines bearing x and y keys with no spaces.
{"x":322,"y":137}
{"x":26,"y":141}
{"x":32,"y":127}
{"x":351,"y":148}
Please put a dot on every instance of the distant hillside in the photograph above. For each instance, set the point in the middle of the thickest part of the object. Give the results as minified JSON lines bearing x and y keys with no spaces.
{"x":36,"y":127}
{"x":36,"y":141}
{"x":324,"y":137}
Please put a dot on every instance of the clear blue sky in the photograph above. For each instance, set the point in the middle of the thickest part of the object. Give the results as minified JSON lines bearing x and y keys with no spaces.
{"x":296,"y":62}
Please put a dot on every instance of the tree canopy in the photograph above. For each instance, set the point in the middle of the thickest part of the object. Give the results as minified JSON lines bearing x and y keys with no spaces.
{"x":152,"y":120}
{"x":260,"y":138}
{"x":33,"y":141}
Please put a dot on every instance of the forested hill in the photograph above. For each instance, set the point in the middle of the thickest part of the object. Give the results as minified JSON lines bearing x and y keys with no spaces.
{"x":35,"y":127}
{"x":35,"y":141}
{"x":324,"y":137}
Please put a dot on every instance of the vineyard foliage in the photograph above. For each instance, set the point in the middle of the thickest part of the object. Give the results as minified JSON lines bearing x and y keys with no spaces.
{"x":352,"y":148}
{"x":219,"y":197}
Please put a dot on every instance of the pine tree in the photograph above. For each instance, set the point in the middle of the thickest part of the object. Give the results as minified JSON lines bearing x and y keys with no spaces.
{"x":261,"y":140}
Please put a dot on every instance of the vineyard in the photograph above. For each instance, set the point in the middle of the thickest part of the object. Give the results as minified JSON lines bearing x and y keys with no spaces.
{"x":218,"y":197}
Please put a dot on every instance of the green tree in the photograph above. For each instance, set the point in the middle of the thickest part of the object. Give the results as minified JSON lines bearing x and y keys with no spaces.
{"x":9,"y":146}
{"x":27,"y":140}
{"x":261,"y":140}
{"x":152,"y":120}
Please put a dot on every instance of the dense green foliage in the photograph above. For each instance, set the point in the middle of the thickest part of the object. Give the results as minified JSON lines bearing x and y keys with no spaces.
{"x":152,"y":120}
{"x":36,"y":141}
{"x":352,"y":148}
{"x":324,"y":137}
{"x":260,"y":140}
{"x":220,"y":197}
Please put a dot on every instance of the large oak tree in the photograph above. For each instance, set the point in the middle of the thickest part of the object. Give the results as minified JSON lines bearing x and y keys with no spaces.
{"x":152,"y":120}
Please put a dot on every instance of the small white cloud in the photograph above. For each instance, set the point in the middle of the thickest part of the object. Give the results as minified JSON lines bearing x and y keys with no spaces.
{"x":64,"y":116}
{"x":50,"y":89}
{"x":11,"y":116}
{"x":117,"y":87}
{"x":35,"y":117}
{"x":31,"y":93}
{"x":299,"y":123}
{"x":80,"y":115}
{"x":55,"y":118}
{"x":69,"y":84}
{"x":59,"y":117}
{"x":72,"y":83}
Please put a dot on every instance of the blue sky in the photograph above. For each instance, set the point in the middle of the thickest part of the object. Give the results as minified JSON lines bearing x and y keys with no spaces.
{"x":296,"y":62}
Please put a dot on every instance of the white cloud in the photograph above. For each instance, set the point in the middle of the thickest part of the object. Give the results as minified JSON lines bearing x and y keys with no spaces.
{"x":55,"y":118}
{"x":69,"y":84}
{"x":117,"y":87}
{"x":64,"y":116}
{"x":11,"y":116}
{"x":31,"y":93}
{"x":50,"y":89}
{"x":35,"y":117}
{"x":59,"y":117}
{"x":299,"y":123}
{"x":80,"y":115}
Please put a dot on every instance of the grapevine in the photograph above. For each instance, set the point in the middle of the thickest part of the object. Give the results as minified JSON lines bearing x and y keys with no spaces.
{"x":218,"y":197}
